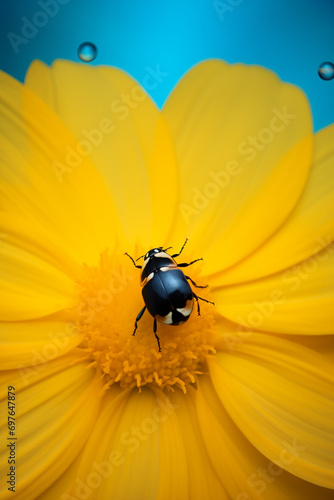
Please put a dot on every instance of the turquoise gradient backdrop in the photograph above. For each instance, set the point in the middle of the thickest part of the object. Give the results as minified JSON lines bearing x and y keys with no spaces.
{"x":291,"y":37}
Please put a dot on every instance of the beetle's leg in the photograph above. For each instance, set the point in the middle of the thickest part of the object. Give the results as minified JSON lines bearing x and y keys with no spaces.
{"x":139,"y":267}
{"x":204,"y":300}
{"x":155,"y":333}
{"x":177,"y":254}
{"x":184,"y":264}
{"x":198,"y":308}
{"x":193,"y":282}
{"x":138,"y":318}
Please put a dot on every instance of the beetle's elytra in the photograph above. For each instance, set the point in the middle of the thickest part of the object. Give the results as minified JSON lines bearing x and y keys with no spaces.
{"x":166,"y":292}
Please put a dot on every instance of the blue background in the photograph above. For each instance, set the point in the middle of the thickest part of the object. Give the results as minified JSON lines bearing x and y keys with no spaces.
{"x":291,"y":37}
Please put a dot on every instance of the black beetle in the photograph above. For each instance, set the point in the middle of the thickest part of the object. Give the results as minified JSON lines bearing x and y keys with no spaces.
{"x":165,"y":289}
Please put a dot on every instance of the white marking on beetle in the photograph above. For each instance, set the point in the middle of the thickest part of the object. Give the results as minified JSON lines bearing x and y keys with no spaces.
{"x":163,"y":254}
{"x":147,"y":279}
{"x":170,"y":267}
{"x":167,"y":320}
{"x":186,"y":311}
{"x":144,"y":265}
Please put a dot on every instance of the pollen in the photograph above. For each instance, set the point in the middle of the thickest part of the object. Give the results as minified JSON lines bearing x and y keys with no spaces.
{"x":110,"y":299}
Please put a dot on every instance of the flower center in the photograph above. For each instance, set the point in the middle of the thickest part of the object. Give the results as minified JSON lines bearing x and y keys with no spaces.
{"x":110,"y":302}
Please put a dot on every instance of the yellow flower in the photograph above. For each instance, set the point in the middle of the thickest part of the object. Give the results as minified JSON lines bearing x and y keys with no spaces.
{"x":239,"y":403}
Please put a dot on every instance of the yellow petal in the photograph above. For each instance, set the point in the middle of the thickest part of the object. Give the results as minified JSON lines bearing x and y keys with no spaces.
{"x":75,"y":208}
{"x":296,"y":301}
{"x":55,"y":412}
{"x":30,"y":287}
{"x":174,"y":477}
{"x":33,"y":343}
{"x":58,"y":488}
{"x":244,"y":141}
{"x":230,"y":333}
{"x":279,"y":394}
{"x":135,"y":450}
{"x":244,"y":471}
{"x":127,"y":139}
{"x":323,"y":344}
{"x":39,"y":241}
{"x":309,"y":227}
{"x":203,"y":480}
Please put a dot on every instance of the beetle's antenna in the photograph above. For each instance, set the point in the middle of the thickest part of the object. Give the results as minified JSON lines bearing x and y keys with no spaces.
{"x":164,"y":250}
{"x":140,"y":257}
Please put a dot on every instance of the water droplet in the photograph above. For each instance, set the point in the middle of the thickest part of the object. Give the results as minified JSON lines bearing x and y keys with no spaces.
{"x":87,"y":52}
{"x":326,"y":71}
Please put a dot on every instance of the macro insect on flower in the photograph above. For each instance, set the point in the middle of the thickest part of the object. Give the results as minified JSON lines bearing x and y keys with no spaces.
{"x":239,"y":402}
{"x":168,"y":297}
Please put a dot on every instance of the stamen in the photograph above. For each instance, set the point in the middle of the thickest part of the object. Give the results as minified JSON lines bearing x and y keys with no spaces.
{"x":106,"y":318}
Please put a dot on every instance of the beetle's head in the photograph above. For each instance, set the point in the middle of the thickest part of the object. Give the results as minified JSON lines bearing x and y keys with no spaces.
{"x":152,"y":252}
